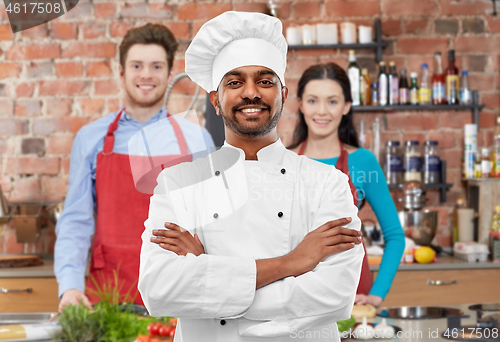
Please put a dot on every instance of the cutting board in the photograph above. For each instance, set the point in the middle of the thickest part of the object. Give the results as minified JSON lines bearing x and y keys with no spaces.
{"x":7,"y":261}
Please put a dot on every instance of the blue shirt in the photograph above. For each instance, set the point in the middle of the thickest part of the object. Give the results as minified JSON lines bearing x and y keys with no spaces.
{"x":75,"y":227}
{"x":368,"y":178}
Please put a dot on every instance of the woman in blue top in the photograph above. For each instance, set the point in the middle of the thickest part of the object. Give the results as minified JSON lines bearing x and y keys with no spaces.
{"x":326,"y":133}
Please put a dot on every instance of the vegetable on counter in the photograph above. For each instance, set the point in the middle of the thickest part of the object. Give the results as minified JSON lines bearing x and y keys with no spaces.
{"x":346,"y":325}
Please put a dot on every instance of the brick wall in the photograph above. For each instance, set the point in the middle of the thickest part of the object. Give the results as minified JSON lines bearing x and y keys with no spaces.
{"x":57,"y":77}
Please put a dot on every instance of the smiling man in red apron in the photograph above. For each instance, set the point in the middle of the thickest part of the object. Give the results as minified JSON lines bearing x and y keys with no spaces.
{"x":101,"y":180}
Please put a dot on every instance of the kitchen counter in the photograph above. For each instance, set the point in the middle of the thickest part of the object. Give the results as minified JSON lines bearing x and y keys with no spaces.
{"x":42,"y":271}
{"x":419,"y":330}
{"x":444,"y":263}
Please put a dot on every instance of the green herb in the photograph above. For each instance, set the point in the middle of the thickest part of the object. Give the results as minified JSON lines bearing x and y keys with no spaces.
{"x":346,"y":324}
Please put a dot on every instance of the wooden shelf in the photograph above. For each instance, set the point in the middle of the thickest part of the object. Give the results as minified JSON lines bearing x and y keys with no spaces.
{"x":415,"y":107}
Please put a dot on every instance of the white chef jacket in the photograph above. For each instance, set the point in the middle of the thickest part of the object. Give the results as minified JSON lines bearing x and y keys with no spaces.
{"x":244,"y":210}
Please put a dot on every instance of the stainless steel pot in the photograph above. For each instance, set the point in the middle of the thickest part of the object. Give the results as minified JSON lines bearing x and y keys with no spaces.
{"x":419,"y":225}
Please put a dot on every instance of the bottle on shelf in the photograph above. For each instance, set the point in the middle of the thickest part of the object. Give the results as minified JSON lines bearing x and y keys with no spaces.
{"x":495,"y":219}
{"x":454,"y":220}
{"x":452,"y":81}
{"x":354,"y":77}
{"x":374,"y":94}
{"x":485,"y":162}
{"x":438,"y":82}
{"x":495,"y":168}
{"x":365,"y":94}
{"x":432,"y":163}
{"x":425,"y":92}
{"x":470,"y":149}
{"x":477,"y":165}
{"x":414,"y":89}
{"x":393,"y":165}
{"x":412,"y":161}
{"x":404,"y":89}
{"x":393,"y":84}
{"x":465,"y":93}
{"x":383,"y":86}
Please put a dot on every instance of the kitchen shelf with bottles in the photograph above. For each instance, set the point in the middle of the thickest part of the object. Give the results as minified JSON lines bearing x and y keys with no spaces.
{"x":378,"y":45}
{"x":442,"y":186}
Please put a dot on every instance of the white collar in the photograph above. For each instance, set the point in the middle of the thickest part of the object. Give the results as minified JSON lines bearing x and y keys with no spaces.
{"x":272,"y":153}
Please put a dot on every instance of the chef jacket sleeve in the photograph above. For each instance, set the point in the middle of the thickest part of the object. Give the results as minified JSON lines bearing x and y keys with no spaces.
{"x":205,"y":286}
{"x":75,"y":227}
{"x":321,"y":296}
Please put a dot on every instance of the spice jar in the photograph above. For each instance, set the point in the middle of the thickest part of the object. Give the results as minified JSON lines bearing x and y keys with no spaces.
{"x":413,"y":161}
{"x":393,"y":165}
{"x":485,"y":162}
{"x":374,"y":94}
{"x":432,"y":163}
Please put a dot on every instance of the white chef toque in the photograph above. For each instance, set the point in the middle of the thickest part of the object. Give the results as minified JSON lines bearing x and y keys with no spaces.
{"x":232,"y":40}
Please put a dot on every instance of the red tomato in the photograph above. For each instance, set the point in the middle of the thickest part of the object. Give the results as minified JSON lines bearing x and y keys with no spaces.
{"x":143,"y":338}
{"x":154,"y":328}
{"x":166,"y":331}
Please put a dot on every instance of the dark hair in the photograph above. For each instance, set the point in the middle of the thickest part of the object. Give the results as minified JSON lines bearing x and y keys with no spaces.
{"x":150,"y":34}
{"x":346,"y":131}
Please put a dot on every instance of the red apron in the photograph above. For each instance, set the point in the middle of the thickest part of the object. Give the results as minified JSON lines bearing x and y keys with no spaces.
{"x":365,"y":281}
{"x":121,"y":212}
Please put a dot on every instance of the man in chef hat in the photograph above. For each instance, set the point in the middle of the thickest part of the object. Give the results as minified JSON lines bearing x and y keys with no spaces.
{"x":249,"y":254}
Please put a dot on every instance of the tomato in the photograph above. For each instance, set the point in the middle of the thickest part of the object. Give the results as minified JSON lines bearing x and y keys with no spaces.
{"x":166,"y":331}
{"x":173,"y":321}
{"x":154,"y":328}
{"x":143,"y":338}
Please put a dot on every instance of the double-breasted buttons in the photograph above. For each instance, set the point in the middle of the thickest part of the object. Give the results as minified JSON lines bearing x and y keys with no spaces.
{"x":223,"y":322}
{"x":217,"y":173}
{"x":216,"y":215}
{"x":283,"y":171}
{"x":280,"y":214}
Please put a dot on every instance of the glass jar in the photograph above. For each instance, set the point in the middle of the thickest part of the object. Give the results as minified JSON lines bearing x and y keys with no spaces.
{"x":413,"y":161}
{"x":374,"y":94}
{"x":393,"y":165}
{"x":485,"y":162}
{"x":432,"y":163}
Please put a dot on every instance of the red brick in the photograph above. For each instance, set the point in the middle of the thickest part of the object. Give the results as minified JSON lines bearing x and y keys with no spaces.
{"x":10,"y":241}
{"x":10,"y":70}
{"x":106,"y":10}
{"x":106,"y":87}
{"x":60,"y":144}
{"x":119,"y":28}
{"x":179,"y":66}
{"x":413,"y":121}
{"x":464,"y":7}
{"x":259,"y":7}
{"x":92,"y":106}
{"x":98,"y":69}
{"x":416,"y":26}
{"x":347,"y":8}
{"x":414,"y":64}
{"x":160,"y":11}
{"x":93,"y":29}
{"x":28,"y":108}
{"x":29,"y":52}
{"x":295,"y":67}
{"x":52,"y":88}
{"x":69,"y":69}
{"x":9,"y":127}
{"x":63,"y":31}
{"x":25,"y":89}
{"x":446,"y":139}
{"x":408,"y":7}
{"x":486,"y":120}
{"x":477,"y":44}
{"x":6,"y":32}
{"x":6,"y":107}
{"x":39,"y":69}
{"x":201,"y":11}
{"x":44,"y":127}
{"x":480,"y":81}
{"x":491,"y":101}
{"x":92,"y":50}
{"x":58,"y":106}
{"x":453,"y":158}
{"x":116,"y":104}
{"x":37,"y":32}
{"x":135,"y":10}
{"x":54,"y":188}
{"x":286,"y":127}
{"x":421,"y":46}
{"x":494,"y":24}
{"x":391,"y":27}
{"x":179,"y":29}
{"x":32,"y":165}
{"x":185,"y":86}
{"x":65,"y":162}
{"x":454,"y":119}
{"x":306,"y":9}
{"x":6,"y":184}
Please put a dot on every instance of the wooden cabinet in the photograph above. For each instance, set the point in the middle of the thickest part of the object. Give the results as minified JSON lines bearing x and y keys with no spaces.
{"x":412,"y":288}
{"x":42,"y":298}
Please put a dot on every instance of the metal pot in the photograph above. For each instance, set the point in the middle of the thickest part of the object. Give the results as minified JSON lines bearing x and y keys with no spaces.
{"x":419,"y":225}
{"x":413,"y":195}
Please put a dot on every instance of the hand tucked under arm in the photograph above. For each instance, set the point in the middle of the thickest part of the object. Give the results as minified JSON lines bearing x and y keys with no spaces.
{"x":178,"y":240}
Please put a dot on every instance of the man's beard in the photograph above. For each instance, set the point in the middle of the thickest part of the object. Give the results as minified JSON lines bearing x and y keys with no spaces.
{"x":250,"y":132}
{"x":134,"y":100}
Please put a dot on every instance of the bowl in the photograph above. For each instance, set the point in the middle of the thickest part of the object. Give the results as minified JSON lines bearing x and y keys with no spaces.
{"x":419,"y":225}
